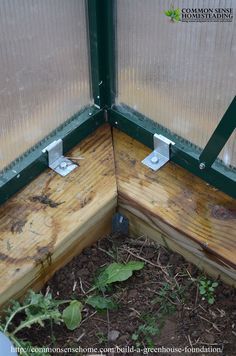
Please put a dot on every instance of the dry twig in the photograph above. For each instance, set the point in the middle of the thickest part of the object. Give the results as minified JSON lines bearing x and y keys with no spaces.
{"x":147,"y":261}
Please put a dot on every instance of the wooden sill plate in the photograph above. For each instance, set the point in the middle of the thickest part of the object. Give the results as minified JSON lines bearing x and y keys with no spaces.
{"x":52,"y":219}
{"x":173,"y":203}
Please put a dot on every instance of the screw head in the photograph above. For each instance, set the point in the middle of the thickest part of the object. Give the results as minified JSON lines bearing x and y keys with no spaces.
{"x":155,"y":159}
{"x":202,"y":165}
{"x":63,"y":165}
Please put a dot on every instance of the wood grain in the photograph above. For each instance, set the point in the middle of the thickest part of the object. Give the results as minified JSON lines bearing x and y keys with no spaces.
{"x":182,"y":245}
{"x":54,"y":218}
{"x":176,"y":202}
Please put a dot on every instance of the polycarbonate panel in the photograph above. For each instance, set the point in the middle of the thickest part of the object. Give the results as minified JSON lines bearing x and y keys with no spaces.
{"x":181,"y":75}
{"x":44,"y":73}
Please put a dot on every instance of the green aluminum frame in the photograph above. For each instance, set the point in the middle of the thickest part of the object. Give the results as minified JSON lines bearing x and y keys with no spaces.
{"x":101,"y":36}
{"x":183,"y":152}
{"x":220,"y":136}
{"x":101,"y":30}
{"x":19,"y":173}
{"x":203,"y":163}
{"x":32,"y":163}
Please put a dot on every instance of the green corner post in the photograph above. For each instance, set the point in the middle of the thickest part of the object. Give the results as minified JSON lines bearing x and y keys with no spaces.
{"x":219,"y":137}
{"x":101,"y":30}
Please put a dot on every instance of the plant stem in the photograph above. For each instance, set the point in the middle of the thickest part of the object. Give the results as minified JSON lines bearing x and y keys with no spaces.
{"x":90,"y":290}
{"x":13,"y":315}
{"x":23,"y":308}
{"x":64,"y":301}
{"x":18,"y":345}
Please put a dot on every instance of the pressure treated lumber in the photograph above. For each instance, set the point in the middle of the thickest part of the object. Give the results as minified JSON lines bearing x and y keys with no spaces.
{"x":197,"y":220}
{"x":182,"y":245}
{"x":54,"y":218}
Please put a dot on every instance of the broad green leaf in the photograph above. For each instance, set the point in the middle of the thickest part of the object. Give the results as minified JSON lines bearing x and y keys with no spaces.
{"x":211,"y":300}
{"x":118,"y":272}
{"x":72,"y":315}
{"x":215,"y":284}
{"x":99,"y":302}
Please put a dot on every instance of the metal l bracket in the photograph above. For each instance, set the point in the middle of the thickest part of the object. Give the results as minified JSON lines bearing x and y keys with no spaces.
{"x":56,"y":161}
{"x":161,"y":153}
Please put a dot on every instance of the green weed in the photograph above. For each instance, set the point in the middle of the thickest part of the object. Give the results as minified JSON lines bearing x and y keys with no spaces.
{"x":207,"y":289}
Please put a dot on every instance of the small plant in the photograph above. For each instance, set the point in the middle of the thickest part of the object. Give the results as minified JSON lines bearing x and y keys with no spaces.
{"x":100,"y":303}
{"x":102,"y":338}
{"x":168,"y":296}
{"x":38,"y":308}
{"x":146,"y":331}
{"x":173,"y":14}
{"x":207,"y":289}
{"x":115,"y":272}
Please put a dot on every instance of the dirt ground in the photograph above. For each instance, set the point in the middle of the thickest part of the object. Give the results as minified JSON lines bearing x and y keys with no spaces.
{"x":158,"y":307}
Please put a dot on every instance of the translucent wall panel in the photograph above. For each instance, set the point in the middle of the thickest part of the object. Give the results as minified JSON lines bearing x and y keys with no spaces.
{"x":182,"y":75}
{"x":44,"y":73}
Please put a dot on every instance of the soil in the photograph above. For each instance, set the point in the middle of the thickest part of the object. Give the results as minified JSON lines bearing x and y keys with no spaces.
{"x":159,"y":306}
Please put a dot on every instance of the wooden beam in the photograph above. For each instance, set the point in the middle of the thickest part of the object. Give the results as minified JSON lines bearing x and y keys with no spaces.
{"x":54,"y":218}
{"x":197,"y":220}
{"x":182,"y":245}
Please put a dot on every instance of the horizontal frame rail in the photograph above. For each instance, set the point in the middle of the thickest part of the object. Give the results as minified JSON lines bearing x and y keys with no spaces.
{"x":183,"y":152}
{"x":33,"y":162}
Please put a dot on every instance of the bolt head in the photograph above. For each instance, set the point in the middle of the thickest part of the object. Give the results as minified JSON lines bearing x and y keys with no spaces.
{"x":155,"y":159}
{"x":202,"y":165}
{"x":63,"y":165}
